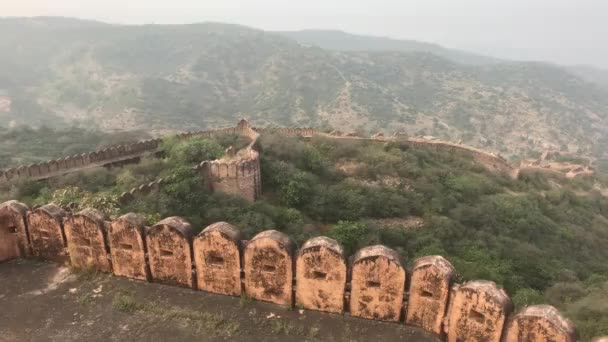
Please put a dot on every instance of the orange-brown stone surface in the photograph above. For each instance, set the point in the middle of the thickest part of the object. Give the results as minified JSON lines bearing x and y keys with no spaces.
{"x":377,"y":285}
{"x":47,"y":238}
{"x":321,"y":275}
{"x":127,"y":247}
{"x":85,"y":234}
{"x":217,"y":259}
{"x":268,"y":265}
{"x":478,"y":312}
{"x":431,"y":281}
{"x":13,"y":230}
{"x":169,"y":251}
{"x":540,"y":323}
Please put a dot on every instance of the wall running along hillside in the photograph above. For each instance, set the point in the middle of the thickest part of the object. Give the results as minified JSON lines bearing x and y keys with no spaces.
{"x":374,"y":284}
{"x":108,"y":156}
{"x":236,"y":175}
{"x":241,"y":175}
{"x":237,"y":172}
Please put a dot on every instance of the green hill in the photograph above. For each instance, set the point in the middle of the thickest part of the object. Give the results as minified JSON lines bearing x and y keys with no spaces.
{"x":161,"y":77}
{"x":343,"y":41}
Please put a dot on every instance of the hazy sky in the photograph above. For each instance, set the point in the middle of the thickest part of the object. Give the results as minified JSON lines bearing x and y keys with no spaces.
{"x":562,"y":31}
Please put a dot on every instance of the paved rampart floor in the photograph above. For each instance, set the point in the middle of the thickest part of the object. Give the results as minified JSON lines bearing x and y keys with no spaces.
{"x":45,"y":302}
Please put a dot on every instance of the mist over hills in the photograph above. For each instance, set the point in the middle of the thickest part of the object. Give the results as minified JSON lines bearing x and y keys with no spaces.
{"x":343,"y":41}
{"x":57,"y":71}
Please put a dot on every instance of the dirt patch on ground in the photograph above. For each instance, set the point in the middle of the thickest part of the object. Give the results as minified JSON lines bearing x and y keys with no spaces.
{"x":408,"y":223}
{"x":97,"y":307}
{"x":351,"y":169}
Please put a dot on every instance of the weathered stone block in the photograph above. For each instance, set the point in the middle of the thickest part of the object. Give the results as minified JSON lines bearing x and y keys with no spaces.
{"x":53,"y":166}
{"x":85,"y":234}
{"x":128,"y":248}
{"x":169,"y":251}
{"x":377,"y":285}
{"x":540,"y":323}
{"x":13,"y":230}
{"x":35,"y":170}
{"x":218,"y":260}
{"x":321,"y":275}
{"x":478,"y":312}
{"x":431,"y":281}
{"x":269,"y":267}
{"x":47,"y":238}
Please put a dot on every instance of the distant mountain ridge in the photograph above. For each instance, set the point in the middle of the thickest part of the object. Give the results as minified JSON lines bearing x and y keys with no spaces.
{"x":591,"y":74}
{"x":188,"y":77}
{"x":343,"y":41}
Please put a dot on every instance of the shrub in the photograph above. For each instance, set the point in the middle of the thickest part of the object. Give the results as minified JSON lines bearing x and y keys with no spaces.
{"x":352,"y":235}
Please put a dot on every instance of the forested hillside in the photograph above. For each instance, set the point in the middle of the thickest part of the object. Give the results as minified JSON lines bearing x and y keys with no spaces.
{"x":343,"y":41}
{"x":542,"y":238}
{"x":57,"y":71}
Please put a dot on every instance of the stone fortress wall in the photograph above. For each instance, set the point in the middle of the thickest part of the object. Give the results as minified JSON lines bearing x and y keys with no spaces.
{"x":108,"y":156}
{"x":491,"y":161}
{"x":58,"y":167}
{"x":240,"y":174}
{"x":372,"y":284}
{"x":237,"y":172}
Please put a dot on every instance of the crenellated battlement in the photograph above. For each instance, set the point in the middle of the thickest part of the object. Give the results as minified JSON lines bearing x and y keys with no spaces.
{"x":237,"y":172}
{"x":247,"y":160}
{"x":372,"y":284}
{"x":108,"y":156}
{"x":58,"y":167}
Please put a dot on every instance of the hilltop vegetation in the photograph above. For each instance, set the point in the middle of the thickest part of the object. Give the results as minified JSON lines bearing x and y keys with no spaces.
{"x":342,"y":41}
{"x":183,"y":77}
{"x":542,"y":238}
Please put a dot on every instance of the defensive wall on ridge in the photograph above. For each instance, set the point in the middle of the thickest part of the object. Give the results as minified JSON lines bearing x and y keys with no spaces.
{"x":57,"y":167}
{"x":372,"y":284}
{"x":240,"y":174}
{"x":108,"y":156}
{"x":237,"y":172}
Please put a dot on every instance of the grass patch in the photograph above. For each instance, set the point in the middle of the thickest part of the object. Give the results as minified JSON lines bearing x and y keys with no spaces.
{"x":86,"y":274}
{"x":125,"y":302}
{"x":214,"y":324}
{"x":245,"y":300}
{"x":85,"y":299}
{"x":313,"y":332}
{"x":285,"y":327}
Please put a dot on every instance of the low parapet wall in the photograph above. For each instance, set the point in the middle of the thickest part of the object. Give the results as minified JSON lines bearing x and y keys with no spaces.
{"x":141,"y":190}
{"x":79,"y":162}
{"x":491,"y":161}
{"x":106,"y":156}
{"x":294,"y":132}
{"x":269,"y":268}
